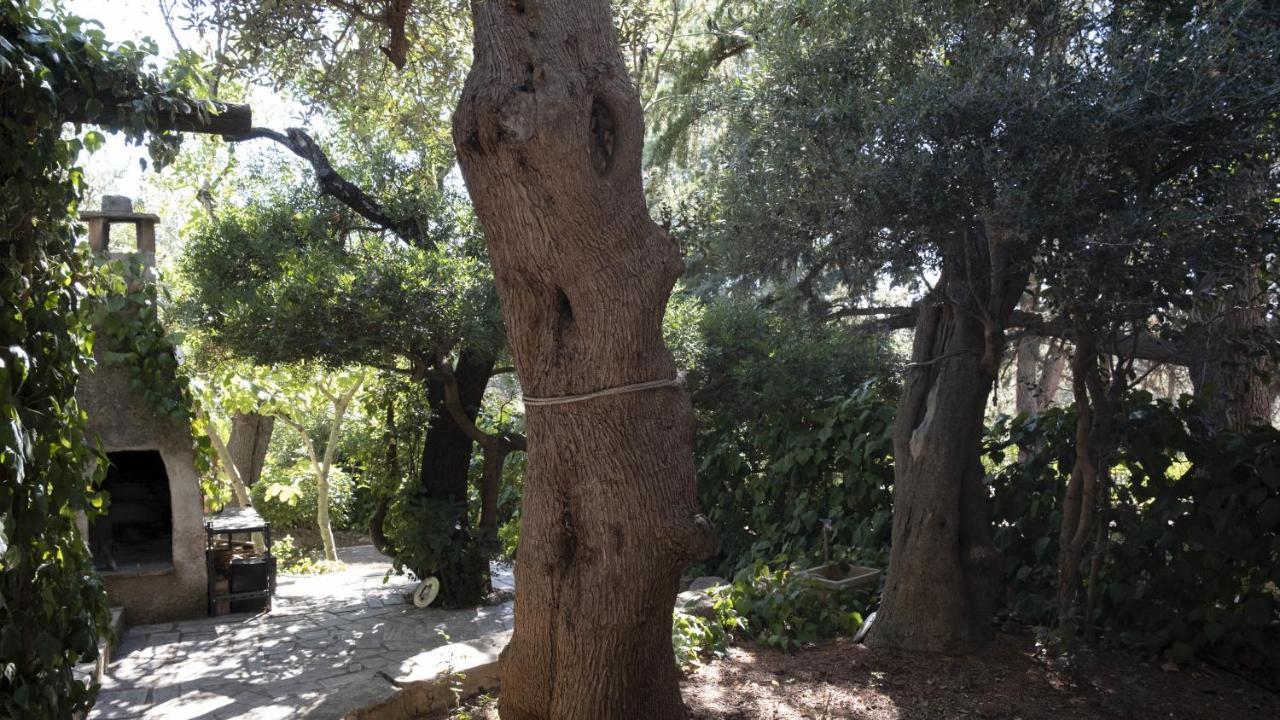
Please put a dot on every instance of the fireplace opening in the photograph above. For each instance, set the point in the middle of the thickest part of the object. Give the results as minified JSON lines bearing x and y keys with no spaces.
{"x":136,"y":534}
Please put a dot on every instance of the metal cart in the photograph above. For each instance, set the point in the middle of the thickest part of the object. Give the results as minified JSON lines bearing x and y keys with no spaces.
{"x":251,"y":577}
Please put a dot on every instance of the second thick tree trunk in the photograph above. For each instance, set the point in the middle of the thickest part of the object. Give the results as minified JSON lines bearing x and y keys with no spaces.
{"x":446,"y":464}
{"x":942,"y":585}
{"x":549,"y":133}
{"x":248,"y":443}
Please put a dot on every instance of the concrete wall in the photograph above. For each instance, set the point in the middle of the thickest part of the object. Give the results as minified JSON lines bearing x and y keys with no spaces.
{"x":124,"y":420}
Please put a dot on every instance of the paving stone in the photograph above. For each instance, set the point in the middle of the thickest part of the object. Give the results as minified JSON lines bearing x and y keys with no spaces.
{"x":162,"y":695}
{"x":117,"y":704}
{"x":313,"y":656}
{"x":148,"y":629}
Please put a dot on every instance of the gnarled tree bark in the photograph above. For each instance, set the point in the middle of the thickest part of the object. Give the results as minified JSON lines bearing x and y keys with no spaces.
{"x":942,"y":585}
{"x":549,"y":133}
{"x":446,"y":463}
{"x":247,"y":445}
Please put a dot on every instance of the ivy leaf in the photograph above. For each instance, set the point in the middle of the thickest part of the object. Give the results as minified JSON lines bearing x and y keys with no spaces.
{"x":1257,"y":612}
{"x":93,"y":141}
{"x":1269,"y":514}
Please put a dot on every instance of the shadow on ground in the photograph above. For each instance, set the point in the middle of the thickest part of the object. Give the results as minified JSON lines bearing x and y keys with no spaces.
{"x":330,"y":645}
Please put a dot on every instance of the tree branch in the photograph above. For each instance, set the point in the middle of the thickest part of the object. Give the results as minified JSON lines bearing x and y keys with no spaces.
{"x":1139,"y":346}
{"x":333,"y":184}
{"x":228,"y":120}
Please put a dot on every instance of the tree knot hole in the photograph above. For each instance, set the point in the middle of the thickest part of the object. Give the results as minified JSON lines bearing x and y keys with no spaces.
{"x":566,"y":540}
{"x":531,"y":78}
{"x":516,"y":6}
{"x":603,"y":136}
{"x":563,"y":312}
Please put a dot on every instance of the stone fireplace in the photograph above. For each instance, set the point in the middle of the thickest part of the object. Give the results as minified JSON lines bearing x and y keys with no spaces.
{"x":149,"y":546}
{"x":136,"y":534}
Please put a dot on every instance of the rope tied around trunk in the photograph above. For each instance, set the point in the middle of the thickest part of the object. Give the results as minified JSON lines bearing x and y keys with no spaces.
{"x":619,"y":390}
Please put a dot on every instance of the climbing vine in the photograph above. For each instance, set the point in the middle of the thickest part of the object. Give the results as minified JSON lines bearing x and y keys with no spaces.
{"x":52,"y":607}
{"x":129,"y":332}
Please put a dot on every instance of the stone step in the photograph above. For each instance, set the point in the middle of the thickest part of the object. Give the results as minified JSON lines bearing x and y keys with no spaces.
{"x":435,"y":680}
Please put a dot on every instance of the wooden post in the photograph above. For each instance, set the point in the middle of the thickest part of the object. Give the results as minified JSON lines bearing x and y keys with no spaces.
{"x":146,"y":231}
{"x":229,"y":121}
{"x":98,"y":233}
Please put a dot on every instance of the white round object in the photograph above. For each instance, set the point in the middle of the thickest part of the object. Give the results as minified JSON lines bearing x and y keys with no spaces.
{"x":426,"y":592}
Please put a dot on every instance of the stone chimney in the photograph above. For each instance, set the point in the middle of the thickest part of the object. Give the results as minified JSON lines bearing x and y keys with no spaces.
{"x":118,"y":209}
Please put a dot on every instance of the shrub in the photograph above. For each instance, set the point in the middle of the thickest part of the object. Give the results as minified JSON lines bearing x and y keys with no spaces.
{"x":790,"y":433}
{"x":293,"y":560}
{"x":428,"y":540}
{"x":285,"y":496}
{"x":697,"y":637}
{"x":1191,"y":555}
{"x":781,"y":609}
{"x":770,"y":490}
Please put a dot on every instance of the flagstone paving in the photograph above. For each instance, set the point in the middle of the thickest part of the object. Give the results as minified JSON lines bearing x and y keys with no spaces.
{"x":331,"y":644}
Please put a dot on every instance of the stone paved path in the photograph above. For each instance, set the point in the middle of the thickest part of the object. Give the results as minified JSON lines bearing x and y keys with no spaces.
{"x":327,"y":647}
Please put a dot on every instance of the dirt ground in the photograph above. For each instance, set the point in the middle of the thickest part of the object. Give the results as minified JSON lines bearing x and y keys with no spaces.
{"x":1008,"y":681}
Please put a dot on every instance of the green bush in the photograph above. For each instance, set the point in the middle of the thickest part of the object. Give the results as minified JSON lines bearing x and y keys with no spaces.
{"x":285,"y":496}
{"x":293,"y":560}
{"x":428,"y":539}
{"x":781,"y":609}
{"x":1192,"y":553}
{"x":791,"y":436}
{"x":696,"y":637}
{"x":769,"y":492}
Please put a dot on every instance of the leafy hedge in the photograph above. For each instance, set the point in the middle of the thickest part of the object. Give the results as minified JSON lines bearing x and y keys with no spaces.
{"x":1191,"y":562}
{"x":286,"y":496}
{"x":770,"y":493}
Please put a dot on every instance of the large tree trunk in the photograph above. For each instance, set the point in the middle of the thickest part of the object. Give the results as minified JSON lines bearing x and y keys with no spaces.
{"x":943,"y":580}
{"x":446,"y":463}
{"x":1232,"y":379}
{"x":247,"y":445}
{"x":377,"y":532}
{"x":549,"y":134}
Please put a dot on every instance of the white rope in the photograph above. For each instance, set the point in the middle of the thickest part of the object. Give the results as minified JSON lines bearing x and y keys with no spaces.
{"x":635,"y":387}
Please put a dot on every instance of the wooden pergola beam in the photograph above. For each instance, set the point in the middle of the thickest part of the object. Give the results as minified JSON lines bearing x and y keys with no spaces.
{"x":231,"y":120}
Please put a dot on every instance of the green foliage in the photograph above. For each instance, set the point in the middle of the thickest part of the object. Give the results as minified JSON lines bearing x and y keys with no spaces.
{"x":781,"y":609}
{"x":289,"y":279}
{"x":429,"y":541}
{"x":130,"y":333}
{"x":285,"y":496}
{"x":697,"y":637}
{"x":1192,"y":546}
{"x":783,"y":445}
{"x":1026,"y":506}
{"x":52,"y":607}
{"x":294,"y":560}
{"x":510,"y":493}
